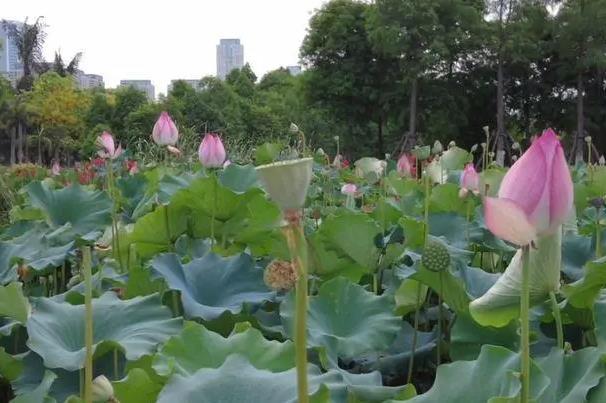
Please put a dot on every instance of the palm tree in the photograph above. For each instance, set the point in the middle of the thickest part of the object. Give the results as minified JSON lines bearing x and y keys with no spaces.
{"x":29,"y":39}
{"x":70,"y":69}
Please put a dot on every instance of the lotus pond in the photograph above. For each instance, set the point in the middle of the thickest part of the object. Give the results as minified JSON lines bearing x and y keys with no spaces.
{"x":381,"y":282}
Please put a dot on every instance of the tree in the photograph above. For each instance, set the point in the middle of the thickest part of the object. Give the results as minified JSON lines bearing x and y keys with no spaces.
{"x":29,"y":39}
{"x":6,"y":99}
{"x":346,"y":74}
{"x":64,"y":70}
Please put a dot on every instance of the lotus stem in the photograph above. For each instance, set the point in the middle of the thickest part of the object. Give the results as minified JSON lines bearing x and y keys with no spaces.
{"x":426,"y":208}
{"x":598,"y":235}
{"x":440,"y":317}
{"x":413,"y":348}
{"x":298,"y":251}
{"x":558,"y":319}
{"x":88,"y":326}
{"x":116,"y":375}
{"x":212,"y":216}
{"x":115,"y":232}
{"x":525,"y":324}
{"x":167,"y":225}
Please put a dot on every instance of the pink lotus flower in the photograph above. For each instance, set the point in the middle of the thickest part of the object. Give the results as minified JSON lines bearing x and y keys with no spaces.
{"x":165,"y":132}
{"x":406,"y":166}
{"x":470,"y":180}
{"x":174,"y":150}
{"x":349,"y":189}
{"x":56,"y":169}
{"x":535,"y":196}
{"x":132,"y":167}
{"x":211,"y":152}
{"x":106,"y":141}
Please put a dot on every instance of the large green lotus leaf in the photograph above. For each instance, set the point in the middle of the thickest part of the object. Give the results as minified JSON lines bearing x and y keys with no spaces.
{"x":409,"y":296}
{"x":84,"y":212}
{"x":132,"y":189}
{"x":137,"y":387}
{"x":445,"y":198}
{"x":212,"y":285}
{"x":501,"y":302}
{"x":572,"y":375}
{"x":583,"y":293}
{"x":155,"y":232}
{"x":467,"y":337}
{"x":328,"y":264}
{"x":491,"y":178}
{"x":56,"y":329}
{"x":576,"y":252}
{"x":197,"y":347}
{"x":346,"y":319}
{"x":409,"y":193}
{"x":10,"y":367}
{"x":40,"y":393}
{"x":599,"y":319}
{"x":13,"y":303}
{"x":455,"y":158}
{"x":33,"y":248}
{"x":352,"y":235}
{"x":493,"y":377}
{"x":238,"y":381}
{"x":239,"y":178}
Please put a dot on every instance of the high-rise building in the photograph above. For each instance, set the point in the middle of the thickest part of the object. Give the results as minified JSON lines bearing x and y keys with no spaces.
{"x":145,"y":86}
{"x":87,"y":81}
{"x":230,"y":55}
{"x":10,"y":63}
{"x":294,"y":70}
{"x":195,"y":84}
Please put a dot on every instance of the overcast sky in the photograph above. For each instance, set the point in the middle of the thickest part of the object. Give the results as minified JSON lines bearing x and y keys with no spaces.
{"x":164,"y":40}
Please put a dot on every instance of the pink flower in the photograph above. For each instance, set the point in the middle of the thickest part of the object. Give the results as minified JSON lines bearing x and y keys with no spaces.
{"x":470,"y":180}
{"x":174,"y":150}
{"x":338,"y":161}
{"x":535,"y":196}
{"x":226,"y":163}
{"x":211,"y":152}
{"x":165,"y":132}
{"x":56,"y":169}
{"x":349,"y":189}
{"x":406,"y":166}
{"x":132,"y":167}
{"x":106,"y":141}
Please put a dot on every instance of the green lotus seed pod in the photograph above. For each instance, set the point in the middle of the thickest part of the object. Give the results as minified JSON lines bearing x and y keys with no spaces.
{"x":435,"y":256}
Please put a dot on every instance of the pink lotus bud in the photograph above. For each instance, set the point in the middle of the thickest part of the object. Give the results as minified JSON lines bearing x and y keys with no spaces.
{"x":106,"y":141}
{"x":174,"y":150}
{"x":226,"y":164}
{"x":470,"y":180}
{"x":535,"y":196}
{"x":211,"y":152}
{"x":349,"y":189}
{"x":405,"y":166}
{"x":56,"y":169}
{"x":132,"y":166}
{"x":337,"y":162}
{"x":165,"y":132}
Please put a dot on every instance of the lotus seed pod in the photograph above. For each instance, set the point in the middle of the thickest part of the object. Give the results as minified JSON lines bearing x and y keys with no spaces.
{"x":287,"y":181}
{"x":336,"y":138}
{"x":597,"y":202}
{"x":483,"y":145}
{"x":294,"y":128}
{"x":435,"y":256}
{"x":320,"y":152}
{"x":452,"y":144}
{"x":515,"y":146}
{"x":491,"y":154}
{"x":280,"y":275}
{"x":514,"y":158}
{"x":437,"y":147}
{"x":602,"y":160}
{"x":587,"y":139}
{"x":474,"y":148}
{"x":486,"y":130}
{"x":103,"y":390}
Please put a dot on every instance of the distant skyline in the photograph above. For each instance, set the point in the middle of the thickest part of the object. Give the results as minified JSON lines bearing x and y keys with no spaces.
{"x":163,"y":41}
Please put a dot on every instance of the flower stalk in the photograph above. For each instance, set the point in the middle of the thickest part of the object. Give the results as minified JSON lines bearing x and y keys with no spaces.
{"x":555,"y":308}
{"x":525,"y":324}
{"x":88,"y":322}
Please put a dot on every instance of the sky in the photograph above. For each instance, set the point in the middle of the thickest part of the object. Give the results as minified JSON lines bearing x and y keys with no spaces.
{"x":165,"y":40}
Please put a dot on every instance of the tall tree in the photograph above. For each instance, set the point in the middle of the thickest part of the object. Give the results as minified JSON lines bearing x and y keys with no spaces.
{"x":29,"y":39}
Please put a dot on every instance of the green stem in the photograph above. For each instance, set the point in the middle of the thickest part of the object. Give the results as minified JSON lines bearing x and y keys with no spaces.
{"x":558,"y":319}
{"x":167,"y":225}
{"x":525,"y":324}
{"x":298,"y":250}
{"x":468,"y":218}
{"x":115,"y":232}
{"x":116,"y":375}
{"x":440,"y":318}
{"x":175,"y":302}
{"x":598,"y":235}
{"x":88,"y":327}
{"x":212,"y":217}
{"x":414,"y":336}
{"x":426,"y":209}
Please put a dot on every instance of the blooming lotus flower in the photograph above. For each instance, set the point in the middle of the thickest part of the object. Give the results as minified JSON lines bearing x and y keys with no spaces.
{"x":470,"y":180}
{"x":406,"y":166}
{"x":165,"y":132}
{"x":56,"y":168}
{"x":173,"y":150}
{"x":106,"y":141}
{"x":535,"y":196}
{"x":211,"y":152}
{"x":132,"y":167}
{"x":349,"y":189}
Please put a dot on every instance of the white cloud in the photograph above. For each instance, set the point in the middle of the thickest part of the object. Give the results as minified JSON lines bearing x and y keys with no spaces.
{"x":164,"y":40}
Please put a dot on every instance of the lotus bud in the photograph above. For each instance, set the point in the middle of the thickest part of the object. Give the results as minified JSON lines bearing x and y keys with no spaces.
{"x":109,"y":149}
{"x":587,"y":139}
{"x":474,"y":148}
{"x":435,"y":256}
{"x":320,"y":152}
{"x":452,"y":144}
{"x":280,"y":275}
{"x":335,"y":138}
{"x":437,"y":147}
{"x":535,"y":196}
{"x":387,"y":156}
{"x":406,"y":166}
{"x":491,"y":154}
{"x":174,"y":150}
{"x":602,"y":160}
{"x":470,"y":180}
{"x":514,"y":158}
{"x":165,"y":132}
{"x":483,"y":145}
{"x":515,"y":146}
{"x":211,"y":152}
{"x":102,"y":389}
{"x":486,"y":130}
{"x":338,"y":161}
{"x":294,"y":128}
{"x":349,"y":189}
{"x":287,"y":181}
{"x":56,"y":169}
